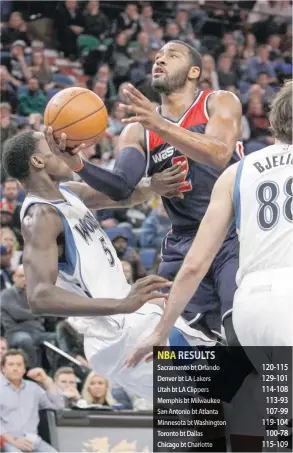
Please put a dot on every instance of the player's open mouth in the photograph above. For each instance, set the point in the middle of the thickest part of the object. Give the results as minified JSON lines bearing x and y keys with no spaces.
{"x":158,"y":72}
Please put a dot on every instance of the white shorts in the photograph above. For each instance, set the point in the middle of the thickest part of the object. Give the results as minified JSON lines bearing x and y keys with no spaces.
{"x":108,"y":357}
{"x":263,"y":308}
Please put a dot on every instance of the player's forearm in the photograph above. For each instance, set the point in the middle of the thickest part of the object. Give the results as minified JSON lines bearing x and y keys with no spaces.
{"x":184,"y":287}
{"x":120,"y":183}
{"x":143,"y":192}
{"x":199,"y":147}
{"x":50,"y":300}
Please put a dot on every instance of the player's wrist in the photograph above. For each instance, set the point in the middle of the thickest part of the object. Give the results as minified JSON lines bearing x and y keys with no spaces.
{"x":78,"y":166}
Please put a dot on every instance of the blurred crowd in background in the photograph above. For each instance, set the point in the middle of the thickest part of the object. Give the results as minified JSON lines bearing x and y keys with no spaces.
{"x":246,"y":48}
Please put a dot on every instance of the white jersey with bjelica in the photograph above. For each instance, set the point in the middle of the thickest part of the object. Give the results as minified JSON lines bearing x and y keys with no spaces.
{"x":264,"y":210}
{"x":90,"y":266}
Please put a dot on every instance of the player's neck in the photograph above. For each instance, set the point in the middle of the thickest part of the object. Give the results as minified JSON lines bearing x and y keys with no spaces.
{"x":43,"y":187}
{"x":176,"y":104}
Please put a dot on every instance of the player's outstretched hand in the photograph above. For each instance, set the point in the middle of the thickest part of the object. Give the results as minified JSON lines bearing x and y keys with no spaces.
{"x":145,"y":349}
{"x":69,"y":156}
{"x":142,"y":109}
{"x":168,"y":182}
{"x":144,"y":290}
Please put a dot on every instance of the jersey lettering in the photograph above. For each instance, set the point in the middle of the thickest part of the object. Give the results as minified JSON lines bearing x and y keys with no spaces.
{"x":107,"y":252}
{"x":182,"y":159}
{"x":163,"y":155}
{"x":269,"y":209}
{"x":86,"y":226}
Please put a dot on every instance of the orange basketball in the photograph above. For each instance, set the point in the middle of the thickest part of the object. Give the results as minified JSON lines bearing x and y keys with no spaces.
{"x":79,"y":113}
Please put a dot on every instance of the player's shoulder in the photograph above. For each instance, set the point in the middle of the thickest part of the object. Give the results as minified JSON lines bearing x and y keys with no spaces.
{"x":40,"y":218}
{"x":134,"y":132}
{"x":220,"y":98}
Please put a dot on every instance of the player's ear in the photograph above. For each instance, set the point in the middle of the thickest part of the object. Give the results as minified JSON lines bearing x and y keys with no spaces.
{"x":37,"y":162}
{"x":194,"y":72}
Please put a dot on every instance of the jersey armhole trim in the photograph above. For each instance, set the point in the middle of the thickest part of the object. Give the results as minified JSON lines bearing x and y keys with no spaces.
{"x":64,"y":187}
{"x":236,"y":194}
{"x":205,"y":107}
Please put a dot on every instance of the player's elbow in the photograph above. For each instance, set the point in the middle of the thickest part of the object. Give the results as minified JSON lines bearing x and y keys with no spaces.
{"x":39,"y":299}
{"x":222,"y":157}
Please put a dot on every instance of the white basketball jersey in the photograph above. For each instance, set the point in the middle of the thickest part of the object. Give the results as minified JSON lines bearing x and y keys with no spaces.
{"x":264,"y":210}
{"x":90,"y":265}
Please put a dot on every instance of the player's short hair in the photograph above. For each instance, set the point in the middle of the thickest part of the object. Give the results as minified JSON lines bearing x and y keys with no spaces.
{"x":281,"y":113}
{"x":195,"y":57}
{"x":17,"y":153}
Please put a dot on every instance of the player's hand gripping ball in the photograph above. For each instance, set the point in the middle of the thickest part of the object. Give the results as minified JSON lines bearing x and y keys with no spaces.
{"x":79,"y":113}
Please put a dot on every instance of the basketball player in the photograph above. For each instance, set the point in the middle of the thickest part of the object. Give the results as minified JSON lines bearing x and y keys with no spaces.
{"x":258,"y":192}
{"x":200,"y":129}
{"x":72,"y":269}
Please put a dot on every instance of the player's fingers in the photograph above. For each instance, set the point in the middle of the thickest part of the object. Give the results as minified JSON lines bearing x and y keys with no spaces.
{"x":150,"y":279}
{"x":132,"y":97}
{"x":156,"y":287}
{"x":129,"y":108}
{"x":150,"y":358}
{"x":176,"y":178}
{"x":177,"y":168}
{"x":49,"y":135}
{"x":132,"y":119}
{"x":62,"y":142}
{"x":135,"y":91}
{"x":176,"y":185}
{"x":78,"y":149}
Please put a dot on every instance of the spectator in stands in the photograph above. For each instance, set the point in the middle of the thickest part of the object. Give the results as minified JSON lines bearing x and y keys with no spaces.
{"x":184,"y":24}
{"x":249,"y":47}
{"x":172,"y":31}
{"x":5,"y":268}
{"x":104,"y":75}
{"x":128,"y":271}
{"x":66,"y":380}
{"x":23,"y":329}
{"x":128,"y":21}
{"x":7,"y":124}
{"x":100,"y":88}
{"x":21,"y":401}
{"x":16,"y":30}
{"x":40,"y":69}
{"x":156,"y":38}
{"x":69,"y":24}
{"x":260,"y":64}
{"x":155,"y":227}
{"x":226,"y":75}
{"x":146,"y":21}
{"x":274,"y":43}
{"x":9,"y":240}
{"x":120,"y":59}
{"x":7,"y":89}
{"x":267,"y":91}
{"x":209,"y":71}
{"x":120,"y":243}
{"x":34,"y":101}
{"x":259,"y":125}
{"x":17,"y":64}
{"x":10,"y":189}
{"x":142,"y":53}
{"x":70,"y":341}
{"x":96,"y":390}
{"x":95,"y":22}
{"x":115,"y":125}
{"x":3,"y":348}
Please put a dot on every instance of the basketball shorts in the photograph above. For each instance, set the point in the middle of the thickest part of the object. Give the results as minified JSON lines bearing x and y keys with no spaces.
{"x":214,"y":297}
{"x":108,"y":357}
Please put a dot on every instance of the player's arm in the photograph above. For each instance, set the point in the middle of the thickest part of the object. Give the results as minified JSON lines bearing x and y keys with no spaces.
{"x":40,"y":231}
{"x":211,"y":234}
{"x":144,"y":191}
{"x":214,"y":148}
{"x":129,"y":168}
